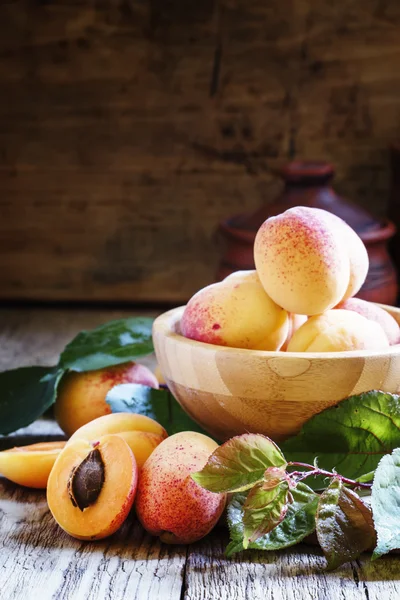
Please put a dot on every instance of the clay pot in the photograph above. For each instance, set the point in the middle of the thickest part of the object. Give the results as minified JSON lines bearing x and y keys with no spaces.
{"x":309,"y":184}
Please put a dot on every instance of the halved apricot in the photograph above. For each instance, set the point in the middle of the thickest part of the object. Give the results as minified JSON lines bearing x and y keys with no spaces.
{"x":117,"y":422}
{"x":92,"y":487}
{"x":142,"y":444}
{"x":30,"y":465}
{"x":142,"y":433}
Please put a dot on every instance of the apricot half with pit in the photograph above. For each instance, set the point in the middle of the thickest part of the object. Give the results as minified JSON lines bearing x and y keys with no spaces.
{"x":30,"y":465}
{"x":92,"y":487}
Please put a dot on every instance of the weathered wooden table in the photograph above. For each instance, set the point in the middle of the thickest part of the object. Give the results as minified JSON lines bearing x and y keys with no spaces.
{"x":38,"y":561}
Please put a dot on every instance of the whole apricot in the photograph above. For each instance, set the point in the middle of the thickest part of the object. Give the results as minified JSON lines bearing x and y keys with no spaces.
{"x":169,"y":504}
{"x":82,"y":396}
{"x":338,"y":330}
{"x":295,"y":321}
{"x":308,"y":260}
{"x":373,"y":312}
{"x":235,"y":312}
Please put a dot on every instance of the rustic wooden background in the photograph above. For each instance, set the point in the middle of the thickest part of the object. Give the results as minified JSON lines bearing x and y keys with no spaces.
{"x":128,"y":128}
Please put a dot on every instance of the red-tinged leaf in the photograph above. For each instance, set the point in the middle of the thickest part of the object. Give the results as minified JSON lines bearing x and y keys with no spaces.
{"x":239,"y":463}
{"x":273,"y":476}
{"x":263,"y":510}
{"x":344,"y":524}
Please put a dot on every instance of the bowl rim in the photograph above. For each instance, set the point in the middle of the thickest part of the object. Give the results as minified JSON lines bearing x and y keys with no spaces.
{"x":166,"y":322}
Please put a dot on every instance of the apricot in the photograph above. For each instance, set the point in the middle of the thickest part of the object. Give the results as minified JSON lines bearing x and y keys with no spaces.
{"x":92,"y":487}
{"x":169,"y":504}
{"x":141,"y":433}
{"x":295,"y":321}
{"x":30,"y":465}
{"x":308,"y":260}
{"x":374,"y":313}
{"x":235,"y":312}
{"x":159,"y":376}
{"x":82,"y":396}
{"x":338,"y":330}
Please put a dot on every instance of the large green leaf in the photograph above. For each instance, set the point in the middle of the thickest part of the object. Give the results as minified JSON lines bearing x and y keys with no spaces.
{"x":160,"y":405}
{"x":298,"y":523}
{"x":110,"y":344}
{"x":385,"y":502}
{"x":239,"y":463}
{"x":26,"y":393}
{"x":344,"y":524}
{"x":351,"y":437}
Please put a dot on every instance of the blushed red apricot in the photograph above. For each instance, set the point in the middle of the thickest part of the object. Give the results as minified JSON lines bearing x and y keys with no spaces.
{"x":308,"y":260}
{"x":92,"y":487}
{"x":82,"y":396}
{"x":169,"y":504}
{"x":235,"y":312}
{"x":30,"y":466}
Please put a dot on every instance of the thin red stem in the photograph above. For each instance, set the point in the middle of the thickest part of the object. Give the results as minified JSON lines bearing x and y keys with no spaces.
{"x":315,"y":471}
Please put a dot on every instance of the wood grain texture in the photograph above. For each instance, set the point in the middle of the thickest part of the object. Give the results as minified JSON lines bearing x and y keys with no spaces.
{"x":287,"y":575}
{"x":230,"y":391}
{"x":38,"y":560}
{"x":129,"y":128}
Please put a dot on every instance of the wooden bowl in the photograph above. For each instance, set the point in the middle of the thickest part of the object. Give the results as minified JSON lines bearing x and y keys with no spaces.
{"x":230,"y":391}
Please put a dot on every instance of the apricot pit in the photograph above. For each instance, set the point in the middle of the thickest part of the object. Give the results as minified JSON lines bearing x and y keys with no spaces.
{"x":86,"y":481}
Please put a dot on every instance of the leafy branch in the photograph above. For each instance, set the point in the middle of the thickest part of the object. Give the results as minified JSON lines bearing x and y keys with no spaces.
{"x":272,"y":507}
{"x":316,"y":472}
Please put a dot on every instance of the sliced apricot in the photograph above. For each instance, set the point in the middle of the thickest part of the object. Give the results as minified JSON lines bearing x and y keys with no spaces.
{"x":30,"y":465}
{"x":92,"y":487}
{"x":117,"y":422}
{"x":142,"y":433}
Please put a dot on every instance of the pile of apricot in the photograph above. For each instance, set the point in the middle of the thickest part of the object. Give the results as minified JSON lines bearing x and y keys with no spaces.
{"x":112,"y":462}
{"x":309,"y":265}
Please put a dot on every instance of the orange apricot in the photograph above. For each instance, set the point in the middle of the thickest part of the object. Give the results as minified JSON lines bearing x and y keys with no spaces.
{"x":30,"y":466}
{"x":82,"y":396}
{"x":92,"y":487}
{"x":141,"y":433}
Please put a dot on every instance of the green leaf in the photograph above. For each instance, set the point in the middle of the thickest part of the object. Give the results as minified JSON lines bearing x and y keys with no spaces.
{"x":239,"y":463}
{"x":344,"y":524}
{"x":351,"y":437}
{"x":298,"y":523}
{"x":26,"y":393}
{"x":160,"y":405}
{"x":385,"y":502}
{"x":366,"y":478}
{"x":263,"y":510}
{"x":110,"y":344}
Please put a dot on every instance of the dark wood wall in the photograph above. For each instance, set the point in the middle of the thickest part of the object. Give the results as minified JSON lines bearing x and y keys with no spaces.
{"x":129,"y":128}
